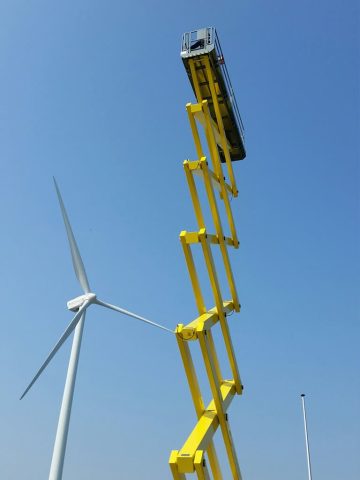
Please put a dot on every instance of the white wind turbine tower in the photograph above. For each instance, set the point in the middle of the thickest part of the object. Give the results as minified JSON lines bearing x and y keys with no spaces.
{"x":78,"y":305}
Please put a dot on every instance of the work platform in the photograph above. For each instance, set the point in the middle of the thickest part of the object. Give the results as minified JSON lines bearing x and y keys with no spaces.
{"x":205,"y":65}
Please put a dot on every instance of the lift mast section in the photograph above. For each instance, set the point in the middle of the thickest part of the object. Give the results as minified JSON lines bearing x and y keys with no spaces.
{"x":217,"y":113}
{"x":198,"y":48}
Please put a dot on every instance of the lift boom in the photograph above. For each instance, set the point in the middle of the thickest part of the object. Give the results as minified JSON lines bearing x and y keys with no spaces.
{"x":216,"y":112}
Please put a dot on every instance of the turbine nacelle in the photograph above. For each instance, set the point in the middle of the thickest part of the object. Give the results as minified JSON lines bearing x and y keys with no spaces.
{"x":78,"y":302}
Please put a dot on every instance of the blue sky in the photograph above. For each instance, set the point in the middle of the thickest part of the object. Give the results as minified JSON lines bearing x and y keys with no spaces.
{"x":94,"y":93}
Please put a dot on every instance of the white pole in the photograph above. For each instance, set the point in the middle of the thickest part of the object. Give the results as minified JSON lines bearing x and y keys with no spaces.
{"x":57,"y":462}
{"x":306,"y":436}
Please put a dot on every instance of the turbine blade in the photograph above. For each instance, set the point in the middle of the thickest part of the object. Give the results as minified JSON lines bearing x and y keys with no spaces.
{"x":62,"y":339}
{"x":130,"y":314}
{"x":75,"y":254}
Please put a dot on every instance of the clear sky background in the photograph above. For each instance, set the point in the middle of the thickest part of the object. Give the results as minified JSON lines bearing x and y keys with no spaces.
{"x":94,"y":93}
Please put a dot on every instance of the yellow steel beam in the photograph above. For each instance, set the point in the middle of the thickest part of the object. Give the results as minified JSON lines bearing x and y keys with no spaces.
{"x":174,"y":467}
{"x":193,"y":274}
{"x":217,"y":177}
{"x":195,"y":166}
{"x":193,"y":237}
{"x":198,"y":440}
{"x":194,"y":129}
{"x":190,"y":372}
{"x":215,"y":214}
{"x":202,"y":434}
{"x":189,"y":332}
{"x":199,"y":115}
{"x":220,"y":124}
{"x":218,"y":184}
{"x":218,"y":302}
{"x":220,"y":233}
{"x":194,"y":195}
{"x":209,"y":261}
{"x":214,"y":357}
{"x":195,"y":393}
{"x":224,"y":188}
{"x":195,"y":79}
{"x":200,"y":466}
{"x":214,"y":462}
{"x":218,"y":401}
{"x":212,"y":142}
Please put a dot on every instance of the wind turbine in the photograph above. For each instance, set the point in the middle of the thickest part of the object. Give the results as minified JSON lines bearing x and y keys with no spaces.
{"x":306,"y":436}
{"x":78,"y":305}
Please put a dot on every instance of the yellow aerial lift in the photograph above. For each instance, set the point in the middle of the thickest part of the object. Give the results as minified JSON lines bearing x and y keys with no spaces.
{"x":216,"y":112}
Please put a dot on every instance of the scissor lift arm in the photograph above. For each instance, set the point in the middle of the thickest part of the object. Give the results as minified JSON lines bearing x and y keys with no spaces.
{"x":198,"y":455}
{"x":198,"y":49}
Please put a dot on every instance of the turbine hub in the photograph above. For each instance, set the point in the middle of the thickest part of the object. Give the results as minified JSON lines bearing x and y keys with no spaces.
{"x":77,"y":302}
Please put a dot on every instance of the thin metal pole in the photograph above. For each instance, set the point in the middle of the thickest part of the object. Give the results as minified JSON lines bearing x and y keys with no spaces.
{"x":306,"y":437}
{"x":57,"y":462}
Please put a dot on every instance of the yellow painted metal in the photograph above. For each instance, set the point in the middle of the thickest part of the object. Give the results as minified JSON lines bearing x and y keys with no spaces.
{"x":196,"y":395}
{"x":201,"y":436}
{"x":195,"y":79}
{"x":195,"y":132}
{"x":200,"y":466}
{"x":193,"y":275}
{"x":190,"y":372}
{"x":203,"y":237}
{"x":220,"y":233}
{"x":199,"y":439}
{"x":218,"y":169}
{"x":199,"y":447}
{"x":217,"y":183}
{"x":224,"y":142}
{"x":221,"y":412}
{"x":199,"y":115}
{"x":214,"y":462}
{"x":209,"y":319}
{"x":220,"y":126}
{"x":214,"y":356}
{"x":194,"y":195}
{"x":217,"y":177}
{"x":193,"y":237}
{"x":218,"y":301}
{"x":174,"y":467}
